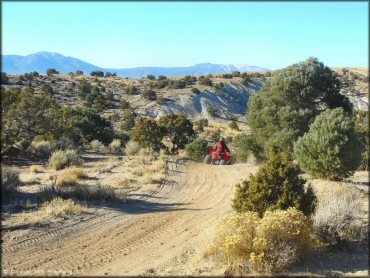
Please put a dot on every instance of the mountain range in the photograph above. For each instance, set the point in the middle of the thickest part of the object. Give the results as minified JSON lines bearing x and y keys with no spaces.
{"x":41,"y":61}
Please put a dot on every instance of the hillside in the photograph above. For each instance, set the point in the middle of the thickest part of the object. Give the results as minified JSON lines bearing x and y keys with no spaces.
{"x":211,"y":102}
{"x":220,"y":100}
{"x":41,"y":61}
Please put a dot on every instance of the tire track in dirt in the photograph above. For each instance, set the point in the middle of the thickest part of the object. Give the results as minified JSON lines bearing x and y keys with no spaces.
{"x":187,"y":206}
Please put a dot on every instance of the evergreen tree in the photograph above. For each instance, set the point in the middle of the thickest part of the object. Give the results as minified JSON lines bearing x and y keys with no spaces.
{"x":289,"y":102}
{"x":330,"y":149}
{"x":277,"y":185}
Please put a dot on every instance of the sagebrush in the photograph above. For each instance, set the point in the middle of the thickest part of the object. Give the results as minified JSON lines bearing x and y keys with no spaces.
{"x":9,"y":179}
{"x":62,"y":159}
{"x":336,"y":217}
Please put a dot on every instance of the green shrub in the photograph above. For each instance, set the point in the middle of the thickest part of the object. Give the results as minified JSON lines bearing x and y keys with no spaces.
{"x":234,"y":125}
{"x":289,"y":102}
{"x":150,"y":77}
{"x":190,"y":80}
{"x":246,"y":145}
{"x":50,"y":72}
{"x":246,"y":80}
{"x":148,"y":134}
{"x":9,"y":179}
{"x":330,"y":149}
{"x":197,"y":150}
{"x":195,"y":91}
{"x":62,"y":159}
{"x":179,"y":129}
{"x":149,"y":95}
{"x":200,"y":125}
{"x":47,"y":89}
{"x":227,"y":76}
{"x":361,"y":119}
{"x":63,"y":144}
{"x":25,"y":116}
{"x":161,"y":83}
{"x":128,"y":119}
{"x":277,"y":185}
{"x":131,"y":90}
{"x":41,"y":149}
{"x":124,"y":104}
{"x":109,"y":95}
{"x":123,"y":136}
{"x":4,"y":78}
{"x":212,"y":111}
{"x":177,"y":84}
{"x":236,"y":74}
{"x":86,"y":124}
{"x":97,"y":73}
{"x":220,"y":86}
{"x":205,"y":81}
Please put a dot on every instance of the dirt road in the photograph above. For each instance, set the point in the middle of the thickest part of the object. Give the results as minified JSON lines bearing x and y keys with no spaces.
{"x":160,"y":233}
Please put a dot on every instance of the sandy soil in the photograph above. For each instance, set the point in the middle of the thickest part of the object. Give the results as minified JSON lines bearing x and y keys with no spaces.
{"x":165,"y":232}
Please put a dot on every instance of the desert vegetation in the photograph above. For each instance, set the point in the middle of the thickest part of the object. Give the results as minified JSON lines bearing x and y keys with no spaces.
{"x":314,"y":118}
{"x":75,"y":145}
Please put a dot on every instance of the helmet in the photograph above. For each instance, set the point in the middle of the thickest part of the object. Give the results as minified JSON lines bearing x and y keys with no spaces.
{"x":222,"y":138}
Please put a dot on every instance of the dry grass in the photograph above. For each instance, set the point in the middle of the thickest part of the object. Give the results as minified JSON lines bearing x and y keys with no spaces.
{"x":337,"y":214}
{"x":158,"y":165}
{"x":96,"y":145}
{"x":132,"y":148}
{"x":57,"y":207}
{"x":139,"y":172}
{"x":125,"y":182}
{"x":154,"y":177}
{"x":70,"y":176}
{"x":115,"y":146}
{"x":36,"y":169}
{"x":94,"y":192}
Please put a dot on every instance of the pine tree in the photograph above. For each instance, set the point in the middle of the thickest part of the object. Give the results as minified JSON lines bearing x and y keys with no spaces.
{"x":330,"y":149}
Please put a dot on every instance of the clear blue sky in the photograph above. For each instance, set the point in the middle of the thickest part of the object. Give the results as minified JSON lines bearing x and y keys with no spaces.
{"x":129,"y":34}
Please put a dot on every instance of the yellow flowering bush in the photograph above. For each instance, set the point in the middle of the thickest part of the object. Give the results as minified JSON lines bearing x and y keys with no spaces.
{"x":282,"y":237}
{"x":233,"y":237}
{"x":266,"y":245}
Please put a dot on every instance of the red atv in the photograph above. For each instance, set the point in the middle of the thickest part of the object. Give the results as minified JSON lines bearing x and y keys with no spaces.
{"x":214,"y":158}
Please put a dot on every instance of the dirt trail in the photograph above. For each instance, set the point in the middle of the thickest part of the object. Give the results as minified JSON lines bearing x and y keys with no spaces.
{"x":160,"y":233}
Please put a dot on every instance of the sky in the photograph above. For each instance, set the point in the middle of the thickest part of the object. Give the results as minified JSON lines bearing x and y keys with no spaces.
{"x":132,"y":34}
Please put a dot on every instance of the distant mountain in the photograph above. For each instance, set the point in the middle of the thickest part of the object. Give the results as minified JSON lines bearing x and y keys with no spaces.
{"x":41,"y":61}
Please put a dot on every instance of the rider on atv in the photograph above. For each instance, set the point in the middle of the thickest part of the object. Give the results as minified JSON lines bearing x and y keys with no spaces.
{"x":221,"y":146}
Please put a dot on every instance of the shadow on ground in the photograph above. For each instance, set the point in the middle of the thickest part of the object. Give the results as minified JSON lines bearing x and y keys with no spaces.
{"x":335,"y":261}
